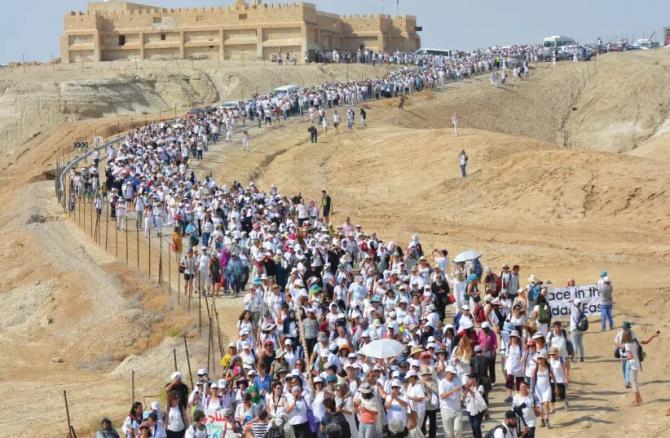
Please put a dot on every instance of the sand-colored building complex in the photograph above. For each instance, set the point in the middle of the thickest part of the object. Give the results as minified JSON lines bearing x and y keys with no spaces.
{"x":119,"y":30}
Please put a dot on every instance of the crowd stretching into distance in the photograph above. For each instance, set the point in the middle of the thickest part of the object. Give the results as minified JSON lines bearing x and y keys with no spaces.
{"x":316,"y":292}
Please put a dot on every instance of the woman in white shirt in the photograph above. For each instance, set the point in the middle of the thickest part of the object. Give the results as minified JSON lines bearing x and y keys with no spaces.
{"x":513,"y":364}
{"x":297,"y":413}
{"x":415,"y":394}
{"x":524,"y":397}
{"x":631,"y":349}
{"x":560,"y":370}
{"x":473,"y":396}
{"x":177,"y":421}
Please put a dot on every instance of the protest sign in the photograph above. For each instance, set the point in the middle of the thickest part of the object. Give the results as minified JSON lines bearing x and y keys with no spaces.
{"x":217,"y":426}
{"x":560,"y":299}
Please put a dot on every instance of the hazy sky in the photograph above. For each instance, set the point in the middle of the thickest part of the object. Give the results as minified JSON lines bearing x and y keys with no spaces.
{"x":33,"y":27}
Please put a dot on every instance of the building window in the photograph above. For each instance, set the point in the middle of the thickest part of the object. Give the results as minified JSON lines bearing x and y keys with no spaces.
{"x":122,"y":40}
{"x":162,"y":37}
{"x":199,"y":18}
{"x":158,"y":20}
{"x":243,"y":16}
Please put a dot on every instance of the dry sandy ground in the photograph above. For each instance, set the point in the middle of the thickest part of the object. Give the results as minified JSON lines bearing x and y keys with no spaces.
{"x":559,"y":213}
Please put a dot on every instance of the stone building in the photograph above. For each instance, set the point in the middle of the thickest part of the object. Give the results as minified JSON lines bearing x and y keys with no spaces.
{"x":119,"y":30}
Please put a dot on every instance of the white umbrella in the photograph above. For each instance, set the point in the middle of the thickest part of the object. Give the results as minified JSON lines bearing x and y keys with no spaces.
{"x":466,"y":256}
{"x":382,"y":349}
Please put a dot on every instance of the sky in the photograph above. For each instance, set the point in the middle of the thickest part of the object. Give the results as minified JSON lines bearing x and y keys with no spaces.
{"x":32,"y":28}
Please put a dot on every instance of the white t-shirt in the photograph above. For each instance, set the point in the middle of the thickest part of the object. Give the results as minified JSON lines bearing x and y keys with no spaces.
{"x":528,"y":411}
{"x":635,"y":361}
{"x":396,"y":412}
{"x":299,"y":413}
{"x":557,"y":368}
{"x":175,"y":420}
{"x":504,"y":433}
{"x":453,"y":402}
{"x":318,"y":408}
{"x":416,"y":390}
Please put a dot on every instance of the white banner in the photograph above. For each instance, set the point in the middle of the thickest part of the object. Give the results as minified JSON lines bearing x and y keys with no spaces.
{"x":560,"y":299}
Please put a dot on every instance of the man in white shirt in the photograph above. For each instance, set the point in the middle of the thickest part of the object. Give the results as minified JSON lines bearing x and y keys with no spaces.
{"x":449,"y":390}
{"x":509,"y":427}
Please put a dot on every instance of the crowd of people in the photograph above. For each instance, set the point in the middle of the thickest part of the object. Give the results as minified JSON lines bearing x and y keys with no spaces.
{"x":315,"y":293}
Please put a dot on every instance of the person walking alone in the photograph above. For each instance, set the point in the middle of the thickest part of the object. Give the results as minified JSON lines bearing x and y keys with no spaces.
{"x":463,"y":161}
{"x":325,"y":205}
{"x":606,"y":303}
{"x":313,"y":134}
{"x":454,"y":122}
{"x":245,"y":141}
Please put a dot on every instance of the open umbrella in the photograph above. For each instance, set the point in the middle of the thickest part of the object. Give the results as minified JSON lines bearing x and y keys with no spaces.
{"x":382,"y":349}
{"x":466,"y":256}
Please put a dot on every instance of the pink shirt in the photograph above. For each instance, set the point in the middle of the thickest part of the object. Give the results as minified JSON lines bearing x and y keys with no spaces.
{"x":487,"y":342}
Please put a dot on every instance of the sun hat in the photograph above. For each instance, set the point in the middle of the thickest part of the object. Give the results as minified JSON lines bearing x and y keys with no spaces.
{"x":626,"y":325}
{"x":365,"y":388}
{"x":396,"y":383}
{"x":411,"y":373}
{"x":514,"y":334}
{"x":553,"y":350}
{"x":451,"y":369}
{"x":538,"y":335}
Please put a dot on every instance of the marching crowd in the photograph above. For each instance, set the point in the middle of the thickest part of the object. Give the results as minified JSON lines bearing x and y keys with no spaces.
{"x":315,"y":294}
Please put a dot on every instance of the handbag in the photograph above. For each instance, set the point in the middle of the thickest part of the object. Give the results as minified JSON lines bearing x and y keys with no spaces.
{"x":480,"y":403}
{"x":617,"y":353}
{"x":311,"y":420}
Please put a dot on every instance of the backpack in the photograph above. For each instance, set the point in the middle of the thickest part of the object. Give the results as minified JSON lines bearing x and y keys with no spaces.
{"x":274,"y":432}
{"x":491,"y":433}
{"x":640,"y":352}
{"x":480,"y":316}
{"x":534,"y":293}
{"x":544,"y":313}
{"x":582,"y":322}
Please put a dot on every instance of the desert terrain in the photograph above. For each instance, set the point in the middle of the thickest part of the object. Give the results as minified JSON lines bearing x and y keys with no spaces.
{"x":568,"y":177}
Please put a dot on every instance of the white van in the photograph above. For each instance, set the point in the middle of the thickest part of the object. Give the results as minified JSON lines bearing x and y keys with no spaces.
{"x":286,"y":89}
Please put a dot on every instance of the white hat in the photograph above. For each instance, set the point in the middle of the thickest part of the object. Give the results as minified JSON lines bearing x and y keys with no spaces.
{"x":514,"y":333}
{"x":538,"y":335}
{"x":202,"y":371}
{"x":214,"y":385}
{"x":176,"y":375}
{"x":223,"y":383}
{"x":155,"y":406}
{"x":465,"y":323}
{"x":485,"y":324}
{"x":396,"y":383}
{"x":411,"y":373}
{"x":465,"y":307}
{"x":318,"y":380}
{"x":451,"y":369}
{"x":288,"y":342}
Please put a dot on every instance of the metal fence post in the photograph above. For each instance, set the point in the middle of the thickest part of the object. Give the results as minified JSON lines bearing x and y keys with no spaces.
{"x":106,"y":222}
{"x":137,"y":234}
{"x":126,"y":232}
{"x":116,"y":237}
{"x":149,"y":254}
{"x":160,"y":259}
